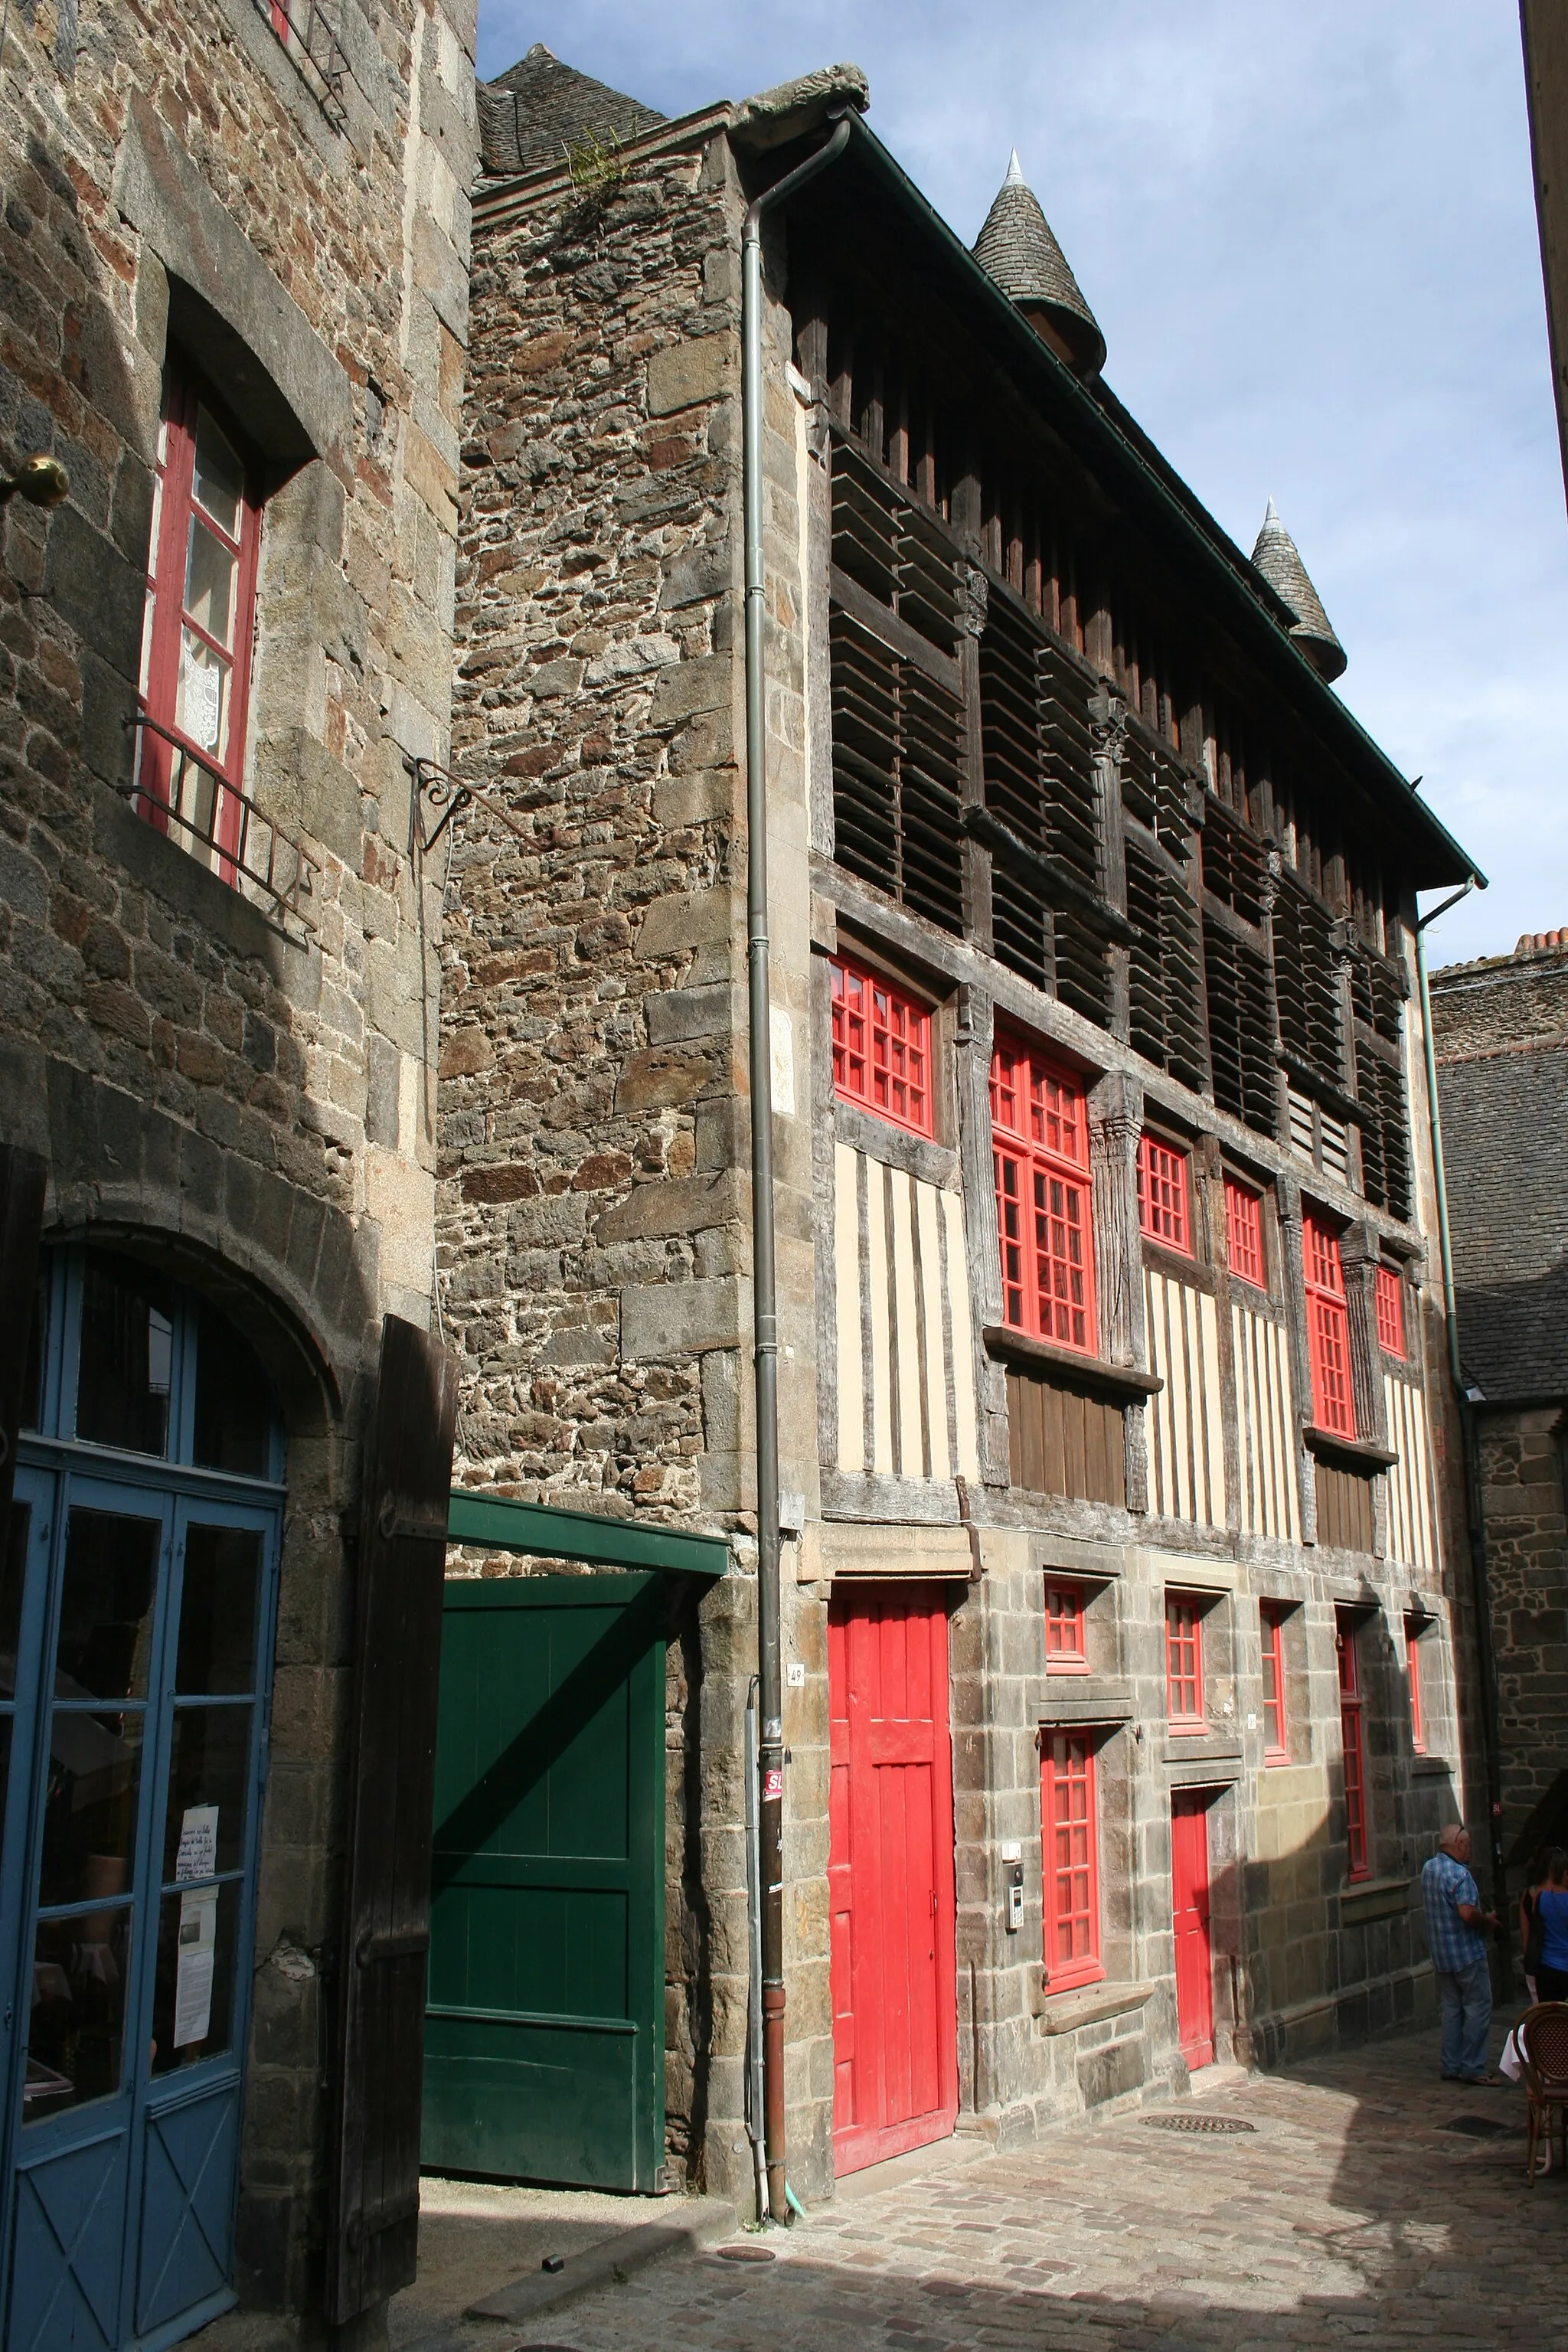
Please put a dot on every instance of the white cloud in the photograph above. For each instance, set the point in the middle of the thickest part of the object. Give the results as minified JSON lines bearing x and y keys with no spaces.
{"x":1308,"y":234}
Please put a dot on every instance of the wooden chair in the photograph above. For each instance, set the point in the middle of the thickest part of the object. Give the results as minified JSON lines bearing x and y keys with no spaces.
{"x":1542,"y":2034}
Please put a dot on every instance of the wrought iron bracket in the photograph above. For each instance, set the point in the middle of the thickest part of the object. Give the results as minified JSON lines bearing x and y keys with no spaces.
{"x":438,"y":797}
{"x":434,"y":788}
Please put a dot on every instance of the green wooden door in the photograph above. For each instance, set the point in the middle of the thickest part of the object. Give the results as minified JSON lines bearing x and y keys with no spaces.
{"x":544,"y":2031}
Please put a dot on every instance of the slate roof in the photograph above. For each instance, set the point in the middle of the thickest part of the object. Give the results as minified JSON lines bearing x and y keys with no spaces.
{"x":1276,"y":557}
{"x":1505,"y":1144}
{"x":538,"y":108}
{"x":1017,"y":248}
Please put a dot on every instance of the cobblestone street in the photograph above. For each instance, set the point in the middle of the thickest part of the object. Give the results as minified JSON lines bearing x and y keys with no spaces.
{"x":1348,"y":2209}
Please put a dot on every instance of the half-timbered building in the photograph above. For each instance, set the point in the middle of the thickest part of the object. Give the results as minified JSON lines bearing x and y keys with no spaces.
{"x":1120,"y":1633}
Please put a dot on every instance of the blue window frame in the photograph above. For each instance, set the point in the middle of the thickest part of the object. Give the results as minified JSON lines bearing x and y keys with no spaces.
{"x":137,"y":1612}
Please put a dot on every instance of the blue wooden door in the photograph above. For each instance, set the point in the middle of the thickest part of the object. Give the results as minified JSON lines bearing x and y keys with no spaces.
{"x":135,"y":1647}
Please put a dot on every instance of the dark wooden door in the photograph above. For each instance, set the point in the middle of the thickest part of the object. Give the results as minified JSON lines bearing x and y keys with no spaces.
{"x":544,"y":2034}
{"x":890,"y":1873}
{"x":1190,"y":1921}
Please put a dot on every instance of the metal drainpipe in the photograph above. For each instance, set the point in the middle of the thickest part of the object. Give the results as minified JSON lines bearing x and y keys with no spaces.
{"x":760,"y":1057}
{"x":1475,"y":1516}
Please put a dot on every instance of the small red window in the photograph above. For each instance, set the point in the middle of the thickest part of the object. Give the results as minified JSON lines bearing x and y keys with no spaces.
{"x":1275,"y":1749}
{"x":1243,"y":1232}
{"x":1065,"y":1650}
{"x":1184,"y":1662}
{"x":1389,"y":1312}
{"x":882,"y":1048}
{"x":1413,"y":1669}
{"x":1351,"y":1741}
{"x":1328,"y":1331}
{"x":197,"y":631}
{"x":1070,"y":1840}
{"x":1040,"y":1154}
{"x":1162,"y":1194}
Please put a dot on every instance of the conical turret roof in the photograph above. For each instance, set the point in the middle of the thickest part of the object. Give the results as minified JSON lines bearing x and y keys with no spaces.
{"x":1017,"y":248}
{"x":1275,"y":556}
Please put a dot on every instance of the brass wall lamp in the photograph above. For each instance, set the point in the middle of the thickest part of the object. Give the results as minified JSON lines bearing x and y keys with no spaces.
{"x":42,"y":481}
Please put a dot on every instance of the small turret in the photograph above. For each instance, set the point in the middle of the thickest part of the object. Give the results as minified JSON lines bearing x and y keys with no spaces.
{"x":1275,"y":556}
{"x":1018,"y":250}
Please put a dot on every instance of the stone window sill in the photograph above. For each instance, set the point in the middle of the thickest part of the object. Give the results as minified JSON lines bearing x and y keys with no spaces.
{"x":1374,"y":1898}
{"x":1065,"y":2011}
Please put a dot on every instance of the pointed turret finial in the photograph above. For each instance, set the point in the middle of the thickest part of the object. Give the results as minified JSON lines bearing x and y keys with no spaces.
{"x":1276,"y":557}
{"x":1017,"y":248}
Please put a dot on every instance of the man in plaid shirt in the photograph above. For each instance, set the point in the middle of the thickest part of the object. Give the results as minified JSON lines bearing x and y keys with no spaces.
{"x":1454,"y":1922}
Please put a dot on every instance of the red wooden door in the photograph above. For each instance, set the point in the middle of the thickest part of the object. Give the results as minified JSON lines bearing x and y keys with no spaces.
{"x":1190,"y":1918}
{"x":890,"y":1881}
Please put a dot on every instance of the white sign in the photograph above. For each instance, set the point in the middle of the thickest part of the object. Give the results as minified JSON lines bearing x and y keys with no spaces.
{"x":197,"y":1856}
{"x":783,"y":1039}
{"x":194,"y":1973}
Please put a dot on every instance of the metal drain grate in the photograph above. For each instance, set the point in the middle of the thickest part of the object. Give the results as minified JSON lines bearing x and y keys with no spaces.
{"x":1477,"y":2126}
{"x":1198,"y":2123}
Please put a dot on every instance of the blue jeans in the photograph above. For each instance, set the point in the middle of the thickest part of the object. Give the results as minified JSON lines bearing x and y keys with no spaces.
{"x":1466,"y":1995}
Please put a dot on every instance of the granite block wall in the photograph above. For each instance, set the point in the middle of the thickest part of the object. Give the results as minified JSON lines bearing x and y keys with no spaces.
{"x":246,"y":1095}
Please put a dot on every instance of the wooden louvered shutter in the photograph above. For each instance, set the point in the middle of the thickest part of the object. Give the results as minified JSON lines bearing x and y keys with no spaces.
{"x":374,"y":2237}
{"x":23,"y":1176}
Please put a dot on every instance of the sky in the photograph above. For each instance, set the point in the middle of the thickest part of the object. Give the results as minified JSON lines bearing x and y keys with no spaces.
{"x":1309,"y":233}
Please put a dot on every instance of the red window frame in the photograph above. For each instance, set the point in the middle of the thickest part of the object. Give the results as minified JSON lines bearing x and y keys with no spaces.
{"x":1162,"y":1214}
{"x":1328,"y":1329}
{"x":1243,"y":1232}
{"x":1347,"y":1652}
{"x":882,"y":1048}
{"x":1276,"y":1743}
{"x":1067,"y":1651}
{"x":176,"y":514}
{"x":1184,"y":1662}
{"x":1412,"y":1629}
{"x":1069,"y":1841}
{"x":1039,"y":1134}
{"x":1389,"y":1312}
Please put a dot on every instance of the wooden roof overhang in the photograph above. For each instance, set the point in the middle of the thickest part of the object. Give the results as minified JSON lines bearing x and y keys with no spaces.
{"x":922,"y":275}
{"x":500,"y":1523}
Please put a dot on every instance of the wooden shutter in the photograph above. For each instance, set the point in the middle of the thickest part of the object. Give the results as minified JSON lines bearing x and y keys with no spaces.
{"x":23,"y":1175}
{"x":374,"y":2237}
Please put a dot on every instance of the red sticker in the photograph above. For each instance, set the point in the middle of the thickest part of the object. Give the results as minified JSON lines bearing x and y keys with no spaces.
{"x":772,"y":1783}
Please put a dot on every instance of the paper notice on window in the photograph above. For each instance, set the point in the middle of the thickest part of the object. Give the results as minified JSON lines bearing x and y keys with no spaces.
{"x":193,"y":1971}
{"x":197,"y":1855}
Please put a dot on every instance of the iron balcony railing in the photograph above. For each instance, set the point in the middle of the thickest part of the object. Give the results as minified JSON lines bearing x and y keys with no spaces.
{"x":176,"y":790}
{"x":313,"y":50}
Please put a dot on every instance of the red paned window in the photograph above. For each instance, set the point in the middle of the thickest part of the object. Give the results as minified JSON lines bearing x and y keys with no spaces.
{"x":1276,"y":1747}
{"x":882,"y":1048}
{"x":1184,"y":1662}
{"x":1243,"y":1232}
{"x":1413,"y":1669}
{"x":1162,"y":1194}
{"x":1328,"y":1330}
{"x":1389,"y":1312}
{"x":1070,"y":1840}
{"x":199,"y":615}
{"x":1350,"y":1740}
{"x":1040,"y":1153}
{"x":1065,"y":1649}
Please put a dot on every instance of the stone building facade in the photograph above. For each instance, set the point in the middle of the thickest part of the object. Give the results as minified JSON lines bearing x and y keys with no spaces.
{"x":235,"y":242}
{"x":1500,"y":1030}
{"x":1102,"y":1567}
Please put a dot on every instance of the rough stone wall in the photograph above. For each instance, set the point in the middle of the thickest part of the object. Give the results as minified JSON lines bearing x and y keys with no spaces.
{"x":1522,"y":1483}
{"x":591,"y":1208}
{"x":256,"y":1108}
{"x":594,"y":1221}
